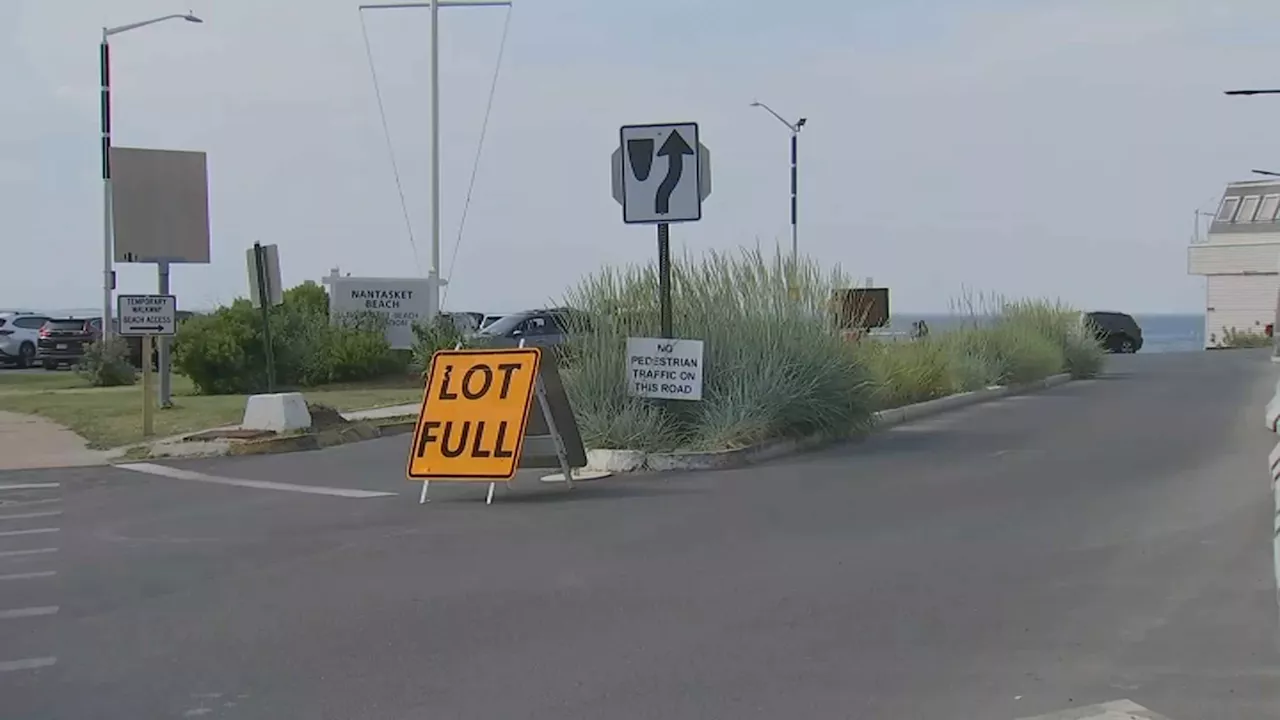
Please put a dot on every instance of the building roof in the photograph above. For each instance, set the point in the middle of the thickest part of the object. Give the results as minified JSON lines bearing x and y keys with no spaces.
{"x":1248,"y":207}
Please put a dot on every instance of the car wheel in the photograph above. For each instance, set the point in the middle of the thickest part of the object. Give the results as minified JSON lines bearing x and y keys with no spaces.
{"x":49,"y":365}
{"x":26,"y":355}
{"x":1127,"y":346}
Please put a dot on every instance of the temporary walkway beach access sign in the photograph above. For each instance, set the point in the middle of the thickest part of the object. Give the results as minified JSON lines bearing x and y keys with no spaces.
{"x":475,"y":417}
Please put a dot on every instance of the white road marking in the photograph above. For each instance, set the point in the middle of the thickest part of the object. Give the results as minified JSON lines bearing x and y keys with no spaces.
{"x":28,"y":612}
{"x":179,"y":474}
{"x":29,"y":575}
{"x":32,"y":531}
{"x":25,"y":516}
{"x":38,"y":501}
{"x":28,"y":664}
{"x":1117,"y":710}
{"x":28,"y":486}
{"x":34,"y":551}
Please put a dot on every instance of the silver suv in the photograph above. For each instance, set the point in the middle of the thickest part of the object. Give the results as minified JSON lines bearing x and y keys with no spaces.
{"x":19,"y":336}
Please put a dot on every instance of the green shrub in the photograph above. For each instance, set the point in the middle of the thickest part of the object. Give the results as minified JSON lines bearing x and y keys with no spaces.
{"x":223,"y":352}
{"x":1233,"y":338}
{"x":107,"y":363}
{"x":774,"y":366}
{"x":1012,"y":343}
{"x":442,"y":333}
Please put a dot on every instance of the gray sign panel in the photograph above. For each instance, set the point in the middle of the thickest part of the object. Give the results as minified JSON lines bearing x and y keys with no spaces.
{"x":160,"y":205}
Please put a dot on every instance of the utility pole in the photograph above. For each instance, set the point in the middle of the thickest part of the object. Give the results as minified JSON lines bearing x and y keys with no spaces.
{"x":433,"y":274}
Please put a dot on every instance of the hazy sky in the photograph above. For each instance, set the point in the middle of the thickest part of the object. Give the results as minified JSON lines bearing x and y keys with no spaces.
{"x":1048,"y":148}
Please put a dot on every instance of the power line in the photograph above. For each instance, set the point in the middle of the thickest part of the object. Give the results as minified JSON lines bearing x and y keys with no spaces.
{"x":386,"y":132}
{"x":475,"y":167}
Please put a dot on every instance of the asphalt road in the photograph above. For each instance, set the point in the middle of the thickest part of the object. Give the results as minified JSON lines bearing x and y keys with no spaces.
{"x":1098,"y":541}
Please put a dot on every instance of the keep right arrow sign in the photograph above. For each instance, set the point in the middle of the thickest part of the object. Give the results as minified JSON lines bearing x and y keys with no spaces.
{"x":658,"y":173}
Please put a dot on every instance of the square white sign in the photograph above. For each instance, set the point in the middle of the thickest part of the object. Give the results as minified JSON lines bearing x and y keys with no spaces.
{"x":660,"y":173}
{"x":665,"y":368}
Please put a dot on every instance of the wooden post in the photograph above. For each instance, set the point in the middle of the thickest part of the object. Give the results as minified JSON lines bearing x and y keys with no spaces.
{"x":148,"y":403}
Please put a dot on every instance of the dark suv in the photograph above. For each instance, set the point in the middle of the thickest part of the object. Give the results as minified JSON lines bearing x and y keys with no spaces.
{"x":1117,"y":332}
{"x":63,"y":340}
{"x":547,"y":328}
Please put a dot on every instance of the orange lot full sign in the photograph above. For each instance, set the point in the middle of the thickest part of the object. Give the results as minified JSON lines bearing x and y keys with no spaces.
{"x":471,"y":426}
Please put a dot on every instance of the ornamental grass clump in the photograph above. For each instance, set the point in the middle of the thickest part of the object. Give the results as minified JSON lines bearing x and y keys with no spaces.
{"x":774,"y":364}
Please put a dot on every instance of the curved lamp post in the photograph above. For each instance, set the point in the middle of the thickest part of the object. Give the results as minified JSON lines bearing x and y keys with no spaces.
{"x":104,"y":71}
{"x":795,"y":132}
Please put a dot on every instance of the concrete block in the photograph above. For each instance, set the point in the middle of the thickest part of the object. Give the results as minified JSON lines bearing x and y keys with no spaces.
{"x":616,"y":460}
{"x":1272,"y":412}
{"x":278,"y":412}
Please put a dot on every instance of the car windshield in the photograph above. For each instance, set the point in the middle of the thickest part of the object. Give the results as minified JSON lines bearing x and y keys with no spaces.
{"x":505,"y":325}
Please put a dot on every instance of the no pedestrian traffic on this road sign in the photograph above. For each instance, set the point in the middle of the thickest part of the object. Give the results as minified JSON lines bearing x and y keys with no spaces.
{"x":472,"y":422}
{"x":147,"y":314}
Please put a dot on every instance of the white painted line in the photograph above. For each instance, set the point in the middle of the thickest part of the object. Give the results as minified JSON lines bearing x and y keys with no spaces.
{"x":35,"y":551}
{"x":28,"y":486}
{"x":37,"y":501}
{"x":1117,"y":710}
{"x":179,"y":474}
{"x":29,"y":575}
{"x":26,"y":516}
{"x":28,"y":664}
{"x":33,"y":531}
{"x":28,"y":612}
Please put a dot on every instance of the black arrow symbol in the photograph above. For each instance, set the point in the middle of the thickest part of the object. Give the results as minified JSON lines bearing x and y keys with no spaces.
{"x":675,"y":148}
{"x":156,"y":328}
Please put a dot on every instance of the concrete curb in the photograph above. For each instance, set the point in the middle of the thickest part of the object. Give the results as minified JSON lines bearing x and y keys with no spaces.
{"x":294,"y":442}
{"x":634,"y":460}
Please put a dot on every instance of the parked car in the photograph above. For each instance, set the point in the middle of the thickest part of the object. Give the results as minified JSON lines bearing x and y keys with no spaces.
{"x":466,"y":322}
{"x":1116,"y":331}
{"x":63,"y":340}
{"x":547,"y":328}
{"x":76,"y":334}
{"x":20,"y":336}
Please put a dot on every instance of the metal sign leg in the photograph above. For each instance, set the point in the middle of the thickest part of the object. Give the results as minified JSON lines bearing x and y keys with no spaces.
{"x":423,"y":499}
{"x":561,"y":454}
{"x":489,"y":500}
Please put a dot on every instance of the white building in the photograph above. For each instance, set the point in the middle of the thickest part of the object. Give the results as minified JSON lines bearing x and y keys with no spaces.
{"x":1240,"y":259}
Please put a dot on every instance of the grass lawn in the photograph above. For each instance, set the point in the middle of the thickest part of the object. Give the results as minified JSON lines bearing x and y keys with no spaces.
{"x":111,"y":417}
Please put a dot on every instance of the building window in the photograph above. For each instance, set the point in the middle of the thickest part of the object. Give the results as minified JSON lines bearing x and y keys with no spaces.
{"x":1227,"y":212}
{"x":1267,"y":210}
{"x":1248,"y":208}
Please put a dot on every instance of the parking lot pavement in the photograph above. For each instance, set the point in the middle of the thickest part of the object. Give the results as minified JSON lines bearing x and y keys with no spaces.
{"x":1097,"y":541}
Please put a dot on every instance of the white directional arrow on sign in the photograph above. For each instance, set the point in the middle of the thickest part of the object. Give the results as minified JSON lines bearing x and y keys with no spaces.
{"x":1118,"y":710}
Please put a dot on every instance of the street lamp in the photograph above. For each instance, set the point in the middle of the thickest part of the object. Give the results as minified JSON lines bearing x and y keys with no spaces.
{"x":104,"y":72}
{"x":795,"y":132}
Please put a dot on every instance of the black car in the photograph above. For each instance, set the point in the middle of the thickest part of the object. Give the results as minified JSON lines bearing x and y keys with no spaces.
{"x":1117,"y":332}
{"x":548,"y":328}
{"x":63,"y":341}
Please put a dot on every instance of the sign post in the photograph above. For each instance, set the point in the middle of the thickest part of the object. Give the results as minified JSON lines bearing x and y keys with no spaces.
{"x":147,"y":316}
{"x":265,"y":290}
{"x":672,"y":196}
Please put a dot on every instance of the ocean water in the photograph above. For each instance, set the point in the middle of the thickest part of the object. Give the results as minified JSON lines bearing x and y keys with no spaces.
{"x":1160,"y":333}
